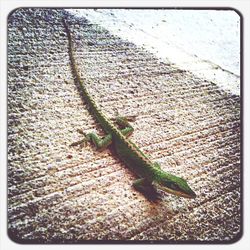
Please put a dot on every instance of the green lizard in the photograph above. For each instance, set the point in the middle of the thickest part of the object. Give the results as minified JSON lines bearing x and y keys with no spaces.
{"x":152,"y":177}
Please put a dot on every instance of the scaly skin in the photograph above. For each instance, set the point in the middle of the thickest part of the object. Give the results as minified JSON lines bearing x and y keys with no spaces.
{"x":151,"y":175}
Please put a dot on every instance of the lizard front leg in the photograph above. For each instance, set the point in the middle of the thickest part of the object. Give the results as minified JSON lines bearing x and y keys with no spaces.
{"x":145,"y":187}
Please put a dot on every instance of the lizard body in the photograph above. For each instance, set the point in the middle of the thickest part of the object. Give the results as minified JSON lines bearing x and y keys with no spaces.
{"x":150,"y":173}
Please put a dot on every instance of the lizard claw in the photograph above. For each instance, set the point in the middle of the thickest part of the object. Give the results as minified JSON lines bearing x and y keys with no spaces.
{"x":84,"y":143}
{"x":80,"y":131}
{"x":81,"y":142}
{"x":131,"y":118}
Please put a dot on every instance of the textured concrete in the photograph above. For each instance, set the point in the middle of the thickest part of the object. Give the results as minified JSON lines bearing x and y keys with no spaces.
{"x":57,"y":193}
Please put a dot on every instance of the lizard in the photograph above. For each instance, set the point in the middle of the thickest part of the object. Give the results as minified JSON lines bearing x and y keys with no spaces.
{"x":151,"y":176}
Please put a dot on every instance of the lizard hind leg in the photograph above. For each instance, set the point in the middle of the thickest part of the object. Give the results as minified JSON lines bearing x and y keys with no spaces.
{"x":157,"y":165}
{"x":123,"y":122}
{"x":146,"y":188}
{"x":127,"y":131}
{"x":100,"y":143}
{"x":124,"y":125}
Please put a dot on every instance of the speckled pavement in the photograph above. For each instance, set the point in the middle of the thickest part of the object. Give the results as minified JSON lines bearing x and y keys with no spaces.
{"x":62,"y":194}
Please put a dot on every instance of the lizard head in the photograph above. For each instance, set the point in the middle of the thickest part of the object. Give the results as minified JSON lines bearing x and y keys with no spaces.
{"x":174,"y":185}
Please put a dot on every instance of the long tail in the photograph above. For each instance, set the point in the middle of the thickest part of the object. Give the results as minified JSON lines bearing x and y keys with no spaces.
{"x":95,"y":111}
{"x":74,"y":66}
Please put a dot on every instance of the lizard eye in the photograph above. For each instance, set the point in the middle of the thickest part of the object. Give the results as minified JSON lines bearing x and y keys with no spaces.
{"x":174,"y":186}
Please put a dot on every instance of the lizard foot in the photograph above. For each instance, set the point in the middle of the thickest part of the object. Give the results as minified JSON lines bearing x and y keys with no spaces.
{"x":146,"y":189}
{"x":82,"y":142}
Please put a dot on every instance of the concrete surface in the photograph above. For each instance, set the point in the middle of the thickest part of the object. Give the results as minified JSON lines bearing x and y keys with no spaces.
{"x":204,"y":42}
{"x":60,"y":194}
